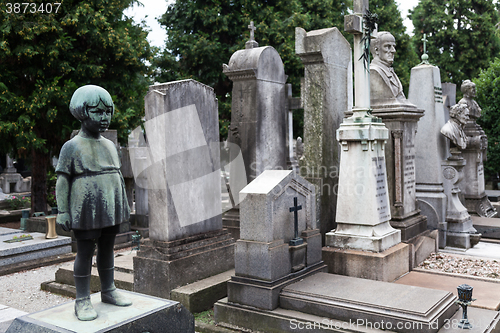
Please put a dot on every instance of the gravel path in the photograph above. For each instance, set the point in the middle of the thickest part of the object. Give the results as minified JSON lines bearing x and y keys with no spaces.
{"x":22,"y":290}
{"x":451,"y":263}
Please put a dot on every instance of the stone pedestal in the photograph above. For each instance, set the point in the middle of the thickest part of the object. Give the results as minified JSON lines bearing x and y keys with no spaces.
{"x":401,"y":117}
{"x":326,"y":95}
{"x":363,"y":210}
{"x":460,"y":231}
{"x":146,"y":314}
{"x":475,"y":198}
{"x":160,"y":267}
{"x":431,"y":148}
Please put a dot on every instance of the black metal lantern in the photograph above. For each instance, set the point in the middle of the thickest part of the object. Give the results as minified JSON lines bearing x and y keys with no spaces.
{"x":464,"y":300}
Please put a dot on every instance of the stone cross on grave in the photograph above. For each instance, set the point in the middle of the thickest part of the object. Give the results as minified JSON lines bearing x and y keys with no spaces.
{"x":251,"y":42}
{"x":355,"y":24}
{"x":295,"y":209}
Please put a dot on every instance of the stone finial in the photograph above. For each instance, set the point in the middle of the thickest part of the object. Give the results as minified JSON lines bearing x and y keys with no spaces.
{"x":251,"y":42}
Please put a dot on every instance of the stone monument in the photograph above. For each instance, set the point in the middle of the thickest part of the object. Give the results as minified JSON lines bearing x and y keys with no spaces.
{"x":280,"y":242}
{"x":186,"y":240}
{"x":473,"y":186}
{"x":460,"y":232}
{"x":258,"y":117}
{"x":431,"y":148}
{"x":363,"y":208}
{"x":400,"y":116}
{"x":11,"y":181}
{"x":326,"y":95}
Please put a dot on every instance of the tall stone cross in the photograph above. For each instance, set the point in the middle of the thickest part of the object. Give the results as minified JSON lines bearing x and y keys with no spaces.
{"x":354,"y":24}
{"x":425,"y":56}
{"x":251,"y":42}
{"x":295,"y":209}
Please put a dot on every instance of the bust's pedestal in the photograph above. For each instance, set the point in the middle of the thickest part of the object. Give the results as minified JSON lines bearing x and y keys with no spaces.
{"x":363,"y":210}
{"x":459,"y":230}
{"x":473,"y":187}
{"x":401,"y":117}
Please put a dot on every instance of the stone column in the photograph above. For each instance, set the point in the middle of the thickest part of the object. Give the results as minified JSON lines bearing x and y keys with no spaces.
{"x":326,"y":96}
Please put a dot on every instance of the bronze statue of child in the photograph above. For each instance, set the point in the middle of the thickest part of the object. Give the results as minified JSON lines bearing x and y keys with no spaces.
{"x":91,"y":197}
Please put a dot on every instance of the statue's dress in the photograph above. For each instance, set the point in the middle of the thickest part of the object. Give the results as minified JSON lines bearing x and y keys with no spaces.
{"x":97,"y":197}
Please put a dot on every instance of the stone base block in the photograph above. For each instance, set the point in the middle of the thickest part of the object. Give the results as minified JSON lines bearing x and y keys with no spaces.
{"x":372,"y":243}
{"x":401,"y":308}
{"x":201,"y":295}
{"x":462,"y":240}
{"x":262,"y":294}
{"x":146,"y":314}
{"x":384,"y":266}
{"x":160,"y":267}
{"x":422,"y":246}
{"x":37,"y":248}
{"x":487,"y":227}
{"x":411,"y":226}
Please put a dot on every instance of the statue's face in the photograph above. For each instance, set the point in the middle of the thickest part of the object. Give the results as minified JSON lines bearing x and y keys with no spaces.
{"x":99,"y":118}
{"x":463,"y":117}
{"x":471,"y":91}
{"x":387,"y":49}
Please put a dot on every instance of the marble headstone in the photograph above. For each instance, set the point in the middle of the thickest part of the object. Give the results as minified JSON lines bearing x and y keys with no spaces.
{"x":186,"y":240}
{"x":431,"y":148}
{"x":265,"y":254}
{"x":327,"y":95}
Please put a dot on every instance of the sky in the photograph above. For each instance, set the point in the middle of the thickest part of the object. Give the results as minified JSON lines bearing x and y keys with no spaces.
{"x":155,"y":8}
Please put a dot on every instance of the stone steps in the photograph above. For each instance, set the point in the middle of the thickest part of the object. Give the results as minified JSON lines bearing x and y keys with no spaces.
{"x":196,"y":297}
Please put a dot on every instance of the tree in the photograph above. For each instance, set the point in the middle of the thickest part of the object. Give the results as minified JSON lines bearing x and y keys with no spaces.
{"x":461,"y":35}
{"x":46,"y":52}
{"x":488,"y":98}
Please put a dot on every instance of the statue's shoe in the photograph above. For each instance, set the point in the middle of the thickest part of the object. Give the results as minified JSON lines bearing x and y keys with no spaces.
{"x":115,"y":298}
{"x":84,"y":310}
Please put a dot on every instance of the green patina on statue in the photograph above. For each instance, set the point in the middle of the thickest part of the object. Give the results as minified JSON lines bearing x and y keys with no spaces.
{"x":91,"y":196}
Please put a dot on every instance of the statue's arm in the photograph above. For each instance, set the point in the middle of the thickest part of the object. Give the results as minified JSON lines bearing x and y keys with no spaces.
{"x":62,"y":197}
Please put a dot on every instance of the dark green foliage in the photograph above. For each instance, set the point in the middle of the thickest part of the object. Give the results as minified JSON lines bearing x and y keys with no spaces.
{"x":488,"y":98}
{"x":461,"y":35}
{"x":46,"y":56}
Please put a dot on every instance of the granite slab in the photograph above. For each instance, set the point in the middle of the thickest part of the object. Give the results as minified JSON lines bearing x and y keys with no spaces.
{"x":36,"y":248}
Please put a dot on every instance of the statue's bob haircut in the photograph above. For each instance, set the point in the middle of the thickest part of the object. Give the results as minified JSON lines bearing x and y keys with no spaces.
{"x":86,"y":97}
{"x":466,"y":85}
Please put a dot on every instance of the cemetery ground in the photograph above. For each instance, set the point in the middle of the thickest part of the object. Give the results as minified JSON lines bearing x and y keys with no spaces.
{"x":479,"y":267}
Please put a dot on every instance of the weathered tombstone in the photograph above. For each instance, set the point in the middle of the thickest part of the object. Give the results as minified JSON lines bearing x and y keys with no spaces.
{"x":460,"y":232}
{"x":268,"y":255}
{"x":363,"y":208}
{"x":258,"y":116}
{"x":11,"y":181}
{"x":473,"y":186}
{"x":431,"y":148}
{"x":187,"y":242}
{"x":326,"y":96}
{"x":449,"y":91}
{"x":400,"y":116}
{"x":293,"y":103}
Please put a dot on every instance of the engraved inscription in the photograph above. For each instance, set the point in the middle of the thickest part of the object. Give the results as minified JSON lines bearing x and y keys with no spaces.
{"x":438,"y":95}
{"x":381,"y":190}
